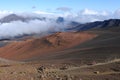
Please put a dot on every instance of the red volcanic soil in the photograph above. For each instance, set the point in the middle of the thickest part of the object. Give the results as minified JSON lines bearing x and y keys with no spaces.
{"x":20,"y":50}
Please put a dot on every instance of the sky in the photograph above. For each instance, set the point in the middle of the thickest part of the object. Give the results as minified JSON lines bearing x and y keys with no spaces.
{"x":77,"y":10}
{"x":58,"y":5}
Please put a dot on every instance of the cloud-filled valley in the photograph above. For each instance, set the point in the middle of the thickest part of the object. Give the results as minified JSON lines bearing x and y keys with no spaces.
{"x":35,"y":25}
{"x":19,"y":28}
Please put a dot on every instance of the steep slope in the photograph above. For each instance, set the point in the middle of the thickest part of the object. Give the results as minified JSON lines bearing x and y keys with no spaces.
{"x":104,"y":47}
{"x":36,"y":47}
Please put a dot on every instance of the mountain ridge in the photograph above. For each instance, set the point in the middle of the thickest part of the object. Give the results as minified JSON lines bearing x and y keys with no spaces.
{"x":105,"y":25}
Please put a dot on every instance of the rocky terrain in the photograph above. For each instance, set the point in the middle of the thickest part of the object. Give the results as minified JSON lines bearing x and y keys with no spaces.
{"x":38,"y":71}
{"x":91,"y":54}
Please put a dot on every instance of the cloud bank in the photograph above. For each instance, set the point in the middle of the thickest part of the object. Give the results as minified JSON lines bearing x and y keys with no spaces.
{"x":88,"y":15}
{"x":82,"y":16}
{"x":18,"y":28}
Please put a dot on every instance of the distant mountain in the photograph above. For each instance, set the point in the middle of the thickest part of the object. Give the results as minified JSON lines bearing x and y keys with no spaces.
{"x":60,"y":20}
{"x":12,"y":17}
{"x":15,"y":17}
{"x":107,"y":24}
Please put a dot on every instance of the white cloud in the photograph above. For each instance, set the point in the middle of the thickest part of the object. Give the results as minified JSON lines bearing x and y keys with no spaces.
{"x":88,"y":15}
{"x":36,"y":26}
{"x":88,"y":12}
{"x":41,"y":12}
{"x":17,"y":28}
{"x":117,"y":13}
{"x":64,"y":9}
{"x":4,"y":13}
{"x":45,"y":14}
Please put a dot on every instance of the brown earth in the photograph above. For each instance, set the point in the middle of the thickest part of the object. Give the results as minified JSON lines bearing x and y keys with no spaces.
{"x":65,"y":56}
{"x":19,"y":50}
{"x":34,"y":71}
{"x":104,"y":47}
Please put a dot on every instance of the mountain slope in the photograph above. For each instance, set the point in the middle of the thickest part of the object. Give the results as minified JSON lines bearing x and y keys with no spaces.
{"x":102,"y":48}
{"x":39,"y":46}
{"x":82,"y":47}
{"x":107,"y":24}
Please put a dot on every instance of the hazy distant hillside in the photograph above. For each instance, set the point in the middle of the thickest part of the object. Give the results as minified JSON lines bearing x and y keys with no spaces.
{"x":107,"y":24}
{"x":15,"y":17}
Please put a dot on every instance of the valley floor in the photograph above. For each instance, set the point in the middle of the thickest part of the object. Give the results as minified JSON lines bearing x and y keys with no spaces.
{"x":89,"y":57}
{"x":36,"y":71}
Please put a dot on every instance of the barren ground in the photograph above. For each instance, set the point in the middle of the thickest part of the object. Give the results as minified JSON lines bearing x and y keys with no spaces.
{"x":30,"y":71}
